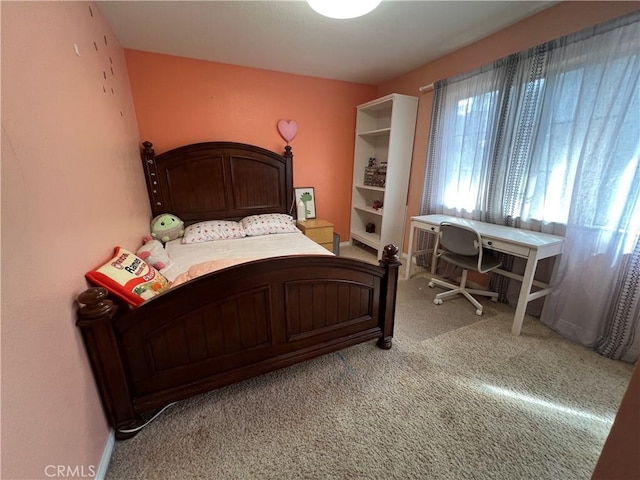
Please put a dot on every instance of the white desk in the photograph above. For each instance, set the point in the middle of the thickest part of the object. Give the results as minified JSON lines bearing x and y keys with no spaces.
{"x":533,"y":246}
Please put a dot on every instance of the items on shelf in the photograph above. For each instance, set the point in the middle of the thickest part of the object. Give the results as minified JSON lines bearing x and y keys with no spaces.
{"x":370,"y":228}
{"x":375,"y":176}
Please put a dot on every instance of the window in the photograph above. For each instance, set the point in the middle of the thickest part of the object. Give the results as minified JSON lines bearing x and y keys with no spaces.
{"x":565,"y":113}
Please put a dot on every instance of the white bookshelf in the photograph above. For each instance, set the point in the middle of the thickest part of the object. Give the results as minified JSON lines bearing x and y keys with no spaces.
{"x":385,"y":130}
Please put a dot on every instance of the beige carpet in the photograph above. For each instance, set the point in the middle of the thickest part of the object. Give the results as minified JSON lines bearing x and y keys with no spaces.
{"x":457,"y":397}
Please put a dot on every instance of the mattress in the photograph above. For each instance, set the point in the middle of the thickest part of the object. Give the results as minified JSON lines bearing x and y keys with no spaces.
{"x":224,"y":253}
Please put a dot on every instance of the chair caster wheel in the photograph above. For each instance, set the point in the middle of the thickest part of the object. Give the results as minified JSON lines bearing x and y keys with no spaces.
{"x":437,"y":301}
{"x":431,"y":284}
{"x":494,"y":299}
{"x":478,"y":312}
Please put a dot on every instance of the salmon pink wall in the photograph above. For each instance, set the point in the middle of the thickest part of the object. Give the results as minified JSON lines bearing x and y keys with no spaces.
{"x":72,"y":184}
{"x":180,"y":101}
{"x":72,"y":189}
{"x":561,"y":19}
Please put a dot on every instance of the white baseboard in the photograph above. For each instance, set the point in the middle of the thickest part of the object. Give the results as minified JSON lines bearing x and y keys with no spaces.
{"x":106,"y":456}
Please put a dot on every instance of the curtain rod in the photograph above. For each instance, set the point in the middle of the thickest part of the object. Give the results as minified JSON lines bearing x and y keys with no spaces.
{"x":426,"y":88}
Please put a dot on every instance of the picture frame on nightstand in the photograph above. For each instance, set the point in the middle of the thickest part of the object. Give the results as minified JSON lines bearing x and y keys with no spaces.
{"x":305,"y":203}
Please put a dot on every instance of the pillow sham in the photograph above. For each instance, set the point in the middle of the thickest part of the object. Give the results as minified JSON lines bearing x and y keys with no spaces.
{"x":129,"y":277}
{"x":268,"y":223}
{"x":212,"y":230}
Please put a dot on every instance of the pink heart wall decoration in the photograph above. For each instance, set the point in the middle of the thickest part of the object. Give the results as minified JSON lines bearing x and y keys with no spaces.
{"x":287,"y":129}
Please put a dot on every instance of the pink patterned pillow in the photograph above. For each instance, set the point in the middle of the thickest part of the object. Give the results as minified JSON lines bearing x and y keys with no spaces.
{"x":268,"y":223}
{"x":212,"y":230}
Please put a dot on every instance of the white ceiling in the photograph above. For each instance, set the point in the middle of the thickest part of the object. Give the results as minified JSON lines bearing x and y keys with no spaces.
{"x":288,"y":36}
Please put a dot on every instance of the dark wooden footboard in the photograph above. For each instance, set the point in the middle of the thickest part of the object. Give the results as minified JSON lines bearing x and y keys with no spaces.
{"x":232,"y":325}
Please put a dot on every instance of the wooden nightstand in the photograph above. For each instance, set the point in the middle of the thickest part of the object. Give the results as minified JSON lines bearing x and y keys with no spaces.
{"x":320,"y":231}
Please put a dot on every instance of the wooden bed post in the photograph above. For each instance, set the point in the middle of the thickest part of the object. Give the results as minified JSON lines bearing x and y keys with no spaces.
{"x":288,"y":157}
{"x":96,"y":324}
{"x":391,"y":264}
{"x":151,"y":176}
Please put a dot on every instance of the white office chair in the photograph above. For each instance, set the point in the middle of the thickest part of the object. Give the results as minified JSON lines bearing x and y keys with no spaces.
{"x":462,"y":246}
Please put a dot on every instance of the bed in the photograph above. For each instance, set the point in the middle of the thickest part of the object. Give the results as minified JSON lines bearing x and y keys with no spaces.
{"x":242,"y":320}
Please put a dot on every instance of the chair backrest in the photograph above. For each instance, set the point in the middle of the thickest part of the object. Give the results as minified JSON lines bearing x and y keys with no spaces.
{"x":460,"y":239}
{"x":462,"y":246}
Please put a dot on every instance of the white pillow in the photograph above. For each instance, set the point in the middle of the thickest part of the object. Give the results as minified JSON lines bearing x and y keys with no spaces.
{"x":212,"y":230}
{"x":268,"y":223}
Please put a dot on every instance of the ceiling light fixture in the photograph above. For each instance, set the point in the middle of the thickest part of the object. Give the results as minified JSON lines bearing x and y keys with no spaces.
{"x":343,"y":8}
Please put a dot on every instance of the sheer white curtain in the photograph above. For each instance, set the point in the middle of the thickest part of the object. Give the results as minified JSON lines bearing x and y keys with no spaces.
{"x":470,"y":107}
{"x":587,"y":150}
{"x":549,"y":140}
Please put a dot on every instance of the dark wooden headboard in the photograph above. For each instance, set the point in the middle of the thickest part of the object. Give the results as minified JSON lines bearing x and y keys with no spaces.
{"x":218,"y":180}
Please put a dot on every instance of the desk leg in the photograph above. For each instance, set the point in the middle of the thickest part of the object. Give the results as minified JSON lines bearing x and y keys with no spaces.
{"x":552,"y":281}
{"x":525,"y":290}
{"x":407,"y":270}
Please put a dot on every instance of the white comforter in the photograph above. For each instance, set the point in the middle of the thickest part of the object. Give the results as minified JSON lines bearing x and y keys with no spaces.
{"x":230,"y":252}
